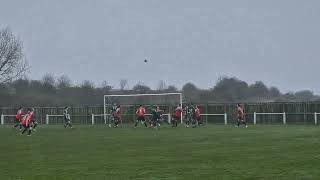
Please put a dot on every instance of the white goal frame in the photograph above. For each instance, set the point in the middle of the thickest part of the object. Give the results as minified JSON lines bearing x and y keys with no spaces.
{"x":136,"y":95}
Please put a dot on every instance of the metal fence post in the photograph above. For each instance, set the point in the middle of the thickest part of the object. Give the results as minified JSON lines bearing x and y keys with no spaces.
{"x":315,"y":118}
{"x":92,"y":119}
{"x":254,"y":118}
{"x":225,"y":119}
{"x":284,"y":118}
{"x":47,"y":119}
{"x":2,"y":119}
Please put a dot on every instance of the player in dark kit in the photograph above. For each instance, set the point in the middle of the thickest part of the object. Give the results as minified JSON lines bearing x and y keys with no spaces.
{"x":189,"y":115}
{"x":156,"y":117}
{"x":240,"y":113}
{"x":177,"y":116}
{"x":141,"y":116}
{"x":67,"y":118}
{"x":18,"y":118}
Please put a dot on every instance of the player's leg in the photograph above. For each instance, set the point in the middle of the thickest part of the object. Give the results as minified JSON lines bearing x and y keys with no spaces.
{"x":137,"y":121}
{"x":198,"y":121}
{"x":238,"y":122}
{"x":187,"y":122}
{"x":244,"y":122}
{"x":116,"y":121}
{"x":111,"y":120}
{"x":30,"y":129}
{"x":17,"y":123}
{"x":26,"y":127}
{"x":144,"y":121}
{"x":35,"y":124}
{"x":173,"y":120}
{"x":65,"y":122}
{"x":69,"y":123}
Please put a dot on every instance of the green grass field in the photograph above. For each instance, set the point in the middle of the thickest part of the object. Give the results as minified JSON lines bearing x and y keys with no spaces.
{"x":208,"y":152}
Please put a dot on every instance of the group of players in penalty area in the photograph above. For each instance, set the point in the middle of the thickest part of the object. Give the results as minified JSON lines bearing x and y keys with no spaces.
{"x":191,"y":114}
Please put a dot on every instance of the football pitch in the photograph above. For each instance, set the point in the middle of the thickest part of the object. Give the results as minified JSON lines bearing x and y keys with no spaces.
{"x":208,"y":152}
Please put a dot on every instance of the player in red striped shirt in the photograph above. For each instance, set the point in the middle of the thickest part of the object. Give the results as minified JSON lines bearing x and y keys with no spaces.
{"x":240,"y":113}
{"x":197,"y":115}
{"x":18,"y":118}
{"x":117,"y":116}
{"x":27,"y":122}
{"x":177,"y":116}
{"x":141,"y":111}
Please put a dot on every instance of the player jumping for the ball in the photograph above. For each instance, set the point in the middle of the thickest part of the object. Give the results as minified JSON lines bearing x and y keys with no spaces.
{"x":240,"y":113}
{"x":141,"y":116}
{"x":156,"y":117}
{"x":67,"y":118}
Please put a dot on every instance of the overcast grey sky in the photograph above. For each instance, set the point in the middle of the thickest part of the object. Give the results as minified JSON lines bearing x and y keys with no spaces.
{"x":276,"y":41}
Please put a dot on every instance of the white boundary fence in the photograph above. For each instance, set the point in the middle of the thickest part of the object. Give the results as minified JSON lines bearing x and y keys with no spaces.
{"x":225,"y":117}
{"x":284,"y":119}
{"x":284,"y":116}
{"x":105,"y":121}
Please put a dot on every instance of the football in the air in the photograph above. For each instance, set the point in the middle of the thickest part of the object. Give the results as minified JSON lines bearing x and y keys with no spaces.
{"x":145,"y":61}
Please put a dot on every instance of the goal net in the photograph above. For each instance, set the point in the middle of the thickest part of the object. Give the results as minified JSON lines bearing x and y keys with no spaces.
{"x":130,"y":102}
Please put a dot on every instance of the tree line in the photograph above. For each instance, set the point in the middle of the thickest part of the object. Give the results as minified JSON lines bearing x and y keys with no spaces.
{"x":51,"y":91}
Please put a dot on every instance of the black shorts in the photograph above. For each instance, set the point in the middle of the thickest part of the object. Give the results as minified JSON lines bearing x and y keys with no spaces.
{"x":66,"y":120}
{"x":240,"y":118}
{"x":141,"y":118}
{"x":116,"y":119}
{"x":26,"y":126}
{"x":176,"y":117}
{"x":155,"y":119}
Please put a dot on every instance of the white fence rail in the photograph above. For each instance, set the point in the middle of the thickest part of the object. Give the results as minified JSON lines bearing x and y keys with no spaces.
{"x":95,"y":118}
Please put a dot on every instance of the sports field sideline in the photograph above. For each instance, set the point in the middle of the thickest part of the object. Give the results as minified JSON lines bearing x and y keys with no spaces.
{"x":208,"y":152}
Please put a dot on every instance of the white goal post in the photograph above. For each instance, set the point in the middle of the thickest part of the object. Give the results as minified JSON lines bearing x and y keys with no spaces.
{"x":109,"y":100}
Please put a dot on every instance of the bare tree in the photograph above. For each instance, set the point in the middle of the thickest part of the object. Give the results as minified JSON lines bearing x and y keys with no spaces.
{"x":162,"y":85}
{"x":13,"y":64}
{"x":172,"y":88}
{"x":141,"y":88}
{"x":48,"y":80}
{"x":105,"y":86}
{"x":63,"y":82}
{"x":123,"y":84}
{"x":86,"y":84}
